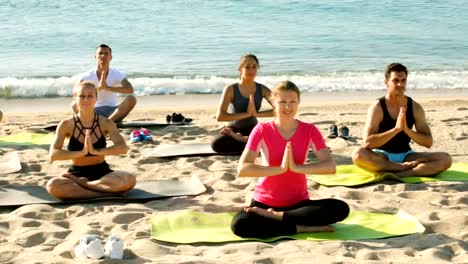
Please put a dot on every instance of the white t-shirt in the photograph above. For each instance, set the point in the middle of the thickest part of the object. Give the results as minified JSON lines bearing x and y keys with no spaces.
{"x":114,"y":79}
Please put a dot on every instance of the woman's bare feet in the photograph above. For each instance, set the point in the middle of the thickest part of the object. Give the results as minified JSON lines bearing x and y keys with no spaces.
{"x":82,"y":181}
{"x":270,"y":213}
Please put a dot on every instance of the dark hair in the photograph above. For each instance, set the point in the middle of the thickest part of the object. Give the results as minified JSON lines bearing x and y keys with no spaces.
{"x":104,"y":46}
{"x":245,"y":57}
{"x":285,"y":86}
{"x":395,"y":67}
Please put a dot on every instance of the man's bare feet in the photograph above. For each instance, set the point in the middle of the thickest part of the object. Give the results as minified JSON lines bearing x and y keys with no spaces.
{"x":314,"y":229}
{"x":270,"y":213}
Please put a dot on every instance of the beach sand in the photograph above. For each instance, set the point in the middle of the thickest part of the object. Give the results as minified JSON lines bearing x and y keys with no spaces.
{"x":49,"y":234}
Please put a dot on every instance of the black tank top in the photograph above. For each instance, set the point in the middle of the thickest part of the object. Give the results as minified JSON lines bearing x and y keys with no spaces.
{"x":241,"y":104}
{"x":400,"y":142}
{"x":76,"y":145}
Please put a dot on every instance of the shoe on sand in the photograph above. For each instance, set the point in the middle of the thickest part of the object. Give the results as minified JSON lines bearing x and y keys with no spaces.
{"x":179,"y":118}
{"x":89,"y":247}
{"x":114,"y":247}
{"x":135,"y":136}
{"x":145,"y":134}
{"x":332,"y":131}
{"x":343,"y":132}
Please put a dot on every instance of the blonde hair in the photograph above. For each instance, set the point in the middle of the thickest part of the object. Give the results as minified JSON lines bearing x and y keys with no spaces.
{"x":78,"y":85}
{"x":285,"y":86}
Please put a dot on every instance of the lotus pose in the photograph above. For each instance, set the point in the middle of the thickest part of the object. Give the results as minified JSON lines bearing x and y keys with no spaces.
{"x":89,"y":175}
{"x":109,"y":83}
{"x":246,"y":98}
{"x":389,"y":130}
{"x":281,"y":204}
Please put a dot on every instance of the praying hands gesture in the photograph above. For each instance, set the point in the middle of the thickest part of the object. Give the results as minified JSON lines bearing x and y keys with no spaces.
{"x":102,"y":81}
{"x":288,"y":163}
{"x":248,"y":168}
{"x":401,"y":124}
{"x":88,"y":147}
{"x":251,"y":107}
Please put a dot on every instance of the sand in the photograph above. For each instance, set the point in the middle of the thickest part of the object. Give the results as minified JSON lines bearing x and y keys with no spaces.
{"x":49,"y":234}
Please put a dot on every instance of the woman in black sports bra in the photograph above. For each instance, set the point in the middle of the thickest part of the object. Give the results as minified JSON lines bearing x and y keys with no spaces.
{"x":89,"y":176}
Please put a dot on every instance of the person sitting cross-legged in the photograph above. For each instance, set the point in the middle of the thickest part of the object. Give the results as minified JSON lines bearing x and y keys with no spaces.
{"x":389,"y":130}
{"x":281,"y":204}
{"x":89,"y":176}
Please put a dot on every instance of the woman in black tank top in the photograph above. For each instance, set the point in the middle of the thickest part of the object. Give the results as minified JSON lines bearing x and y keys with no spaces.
{"x":89,"y":176}
{"x":245,"y":97}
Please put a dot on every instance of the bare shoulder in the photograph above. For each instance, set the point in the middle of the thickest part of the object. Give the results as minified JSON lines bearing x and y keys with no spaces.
{"x":417,"y":107}
{"x":66,"y":126}
{"x":107,"y":124}
{"x":375,"y":107}
{"x":228,"y":88}
{"x":265,"y":90}
{"x":228,"y":92}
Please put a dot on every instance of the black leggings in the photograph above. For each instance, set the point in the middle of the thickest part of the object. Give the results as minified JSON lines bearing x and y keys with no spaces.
{"x":227,"y":144}
{"x":308,"y":213}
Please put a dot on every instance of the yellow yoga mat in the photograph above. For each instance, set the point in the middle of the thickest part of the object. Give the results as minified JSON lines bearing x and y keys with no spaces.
{"x":351,"y":175}
{"x":191,"y":227}
{"x":25,"y":139}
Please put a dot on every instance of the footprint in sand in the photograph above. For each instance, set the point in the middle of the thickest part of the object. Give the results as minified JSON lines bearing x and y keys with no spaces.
{"x":151,"y":160}
{"x":203,"y":164}
{"x":434,"y":216}
{"x":127,"y":218}
{"x":452,"y":119}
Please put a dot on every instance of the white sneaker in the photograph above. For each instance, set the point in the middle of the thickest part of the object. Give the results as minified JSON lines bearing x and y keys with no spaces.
{"x":89,"y":247}
{"x":114,"y":247}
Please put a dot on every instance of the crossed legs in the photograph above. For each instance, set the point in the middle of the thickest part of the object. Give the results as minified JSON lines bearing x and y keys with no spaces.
{"x":261,"y":221}
{"x":69,"y":187}
{"x":415,"y":164}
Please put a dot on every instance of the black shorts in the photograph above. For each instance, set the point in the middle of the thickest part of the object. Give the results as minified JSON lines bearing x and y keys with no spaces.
{"x":92,"y":172}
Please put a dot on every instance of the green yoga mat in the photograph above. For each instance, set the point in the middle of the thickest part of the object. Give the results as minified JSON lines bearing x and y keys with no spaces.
{"x":186,"y":226}
{"x":351,"y":175}
{"x":26,"y":139}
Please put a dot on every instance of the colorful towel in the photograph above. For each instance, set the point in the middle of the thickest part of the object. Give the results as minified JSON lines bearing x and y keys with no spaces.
{"x":192,"y":227}
{"x":351,"y":175}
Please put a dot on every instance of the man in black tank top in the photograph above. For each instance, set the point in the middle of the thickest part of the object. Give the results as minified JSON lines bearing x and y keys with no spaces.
{"x":389,"y":130}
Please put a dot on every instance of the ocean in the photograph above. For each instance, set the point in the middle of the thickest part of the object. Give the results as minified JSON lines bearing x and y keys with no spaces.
{"x":193,"y":47}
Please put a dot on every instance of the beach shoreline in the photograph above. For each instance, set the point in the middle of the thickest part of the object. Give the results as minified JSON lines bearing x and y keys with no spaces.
{"x":202,"y":101}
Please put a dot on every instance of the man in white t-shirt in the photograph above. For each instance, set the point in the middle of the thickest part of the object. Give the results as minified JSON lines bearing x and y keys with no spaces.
{"x":109,"y":83}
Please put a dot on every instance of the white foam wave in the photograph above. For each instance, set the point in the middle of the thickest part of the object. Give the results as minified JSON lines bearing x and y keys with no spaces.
{"x":341,"y":81}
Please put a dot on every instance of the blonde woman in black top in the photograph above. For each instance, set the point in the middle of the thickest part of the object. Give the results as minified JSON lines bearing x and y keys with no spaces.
{"x":89,"y":175}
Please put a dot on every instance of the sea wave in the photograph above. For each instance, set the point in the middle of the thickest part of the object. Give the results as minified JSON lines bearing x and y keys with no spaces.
{"x":61,"y":86}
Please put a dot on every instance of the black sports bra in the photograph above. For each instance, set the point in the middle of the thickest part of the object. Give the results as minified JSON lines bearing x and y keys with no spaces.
{"x":76,"y":145}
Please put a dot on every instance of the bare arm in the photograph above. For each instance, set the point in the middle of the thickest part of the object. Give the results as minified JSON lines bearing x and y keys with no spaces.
{"x":125,"y":88}
{"x":371,"y":138}
{"x":325,"y":165}
{"x":248,"y":168}
{"x":266,"y":93}
{"x":222,"y":113}
{"x":422,"y":136}
{"x":119,"y":147}
{"x":56,"y":152}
